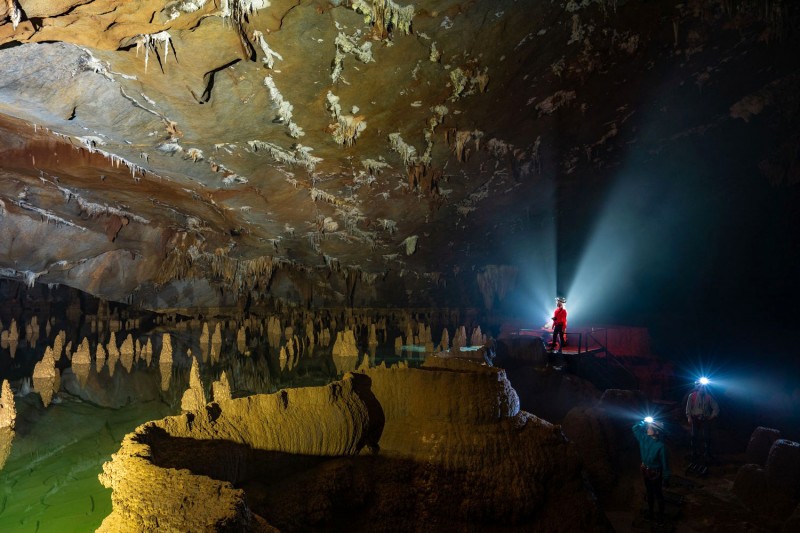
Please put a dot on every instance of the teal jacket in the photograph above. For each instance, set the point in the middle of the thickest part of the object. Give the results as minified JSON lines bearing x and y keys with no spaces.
{"x":653,"y":453}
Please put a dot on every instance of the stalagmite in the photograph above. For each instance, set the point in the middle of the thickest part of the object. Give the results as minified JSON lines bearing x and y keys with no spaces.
{"x":13,"y":333}
{"x":113,"y":354}
{"x":13,"y":338}
{"x":477,"y":338}
{"x":216,"y":343}
{"x":273,"y":332}
{"x":221,"y":390}
{"x":373,"y":336}
{"x":8,"y":411}
{"x":82,"y":362}
{"x":325,"y":337}
{"x":241,"y":341}
{"x":194,"y":399}
{"x":44,"y":376}
{"x":444,"y":345}
{"x":148,"y":352}
{"x":282,"y":358}
{"x":345,"y":344}
{"x":166,"y":375}
{"x":204,"y":339}
{"x":166,"y":350}
{"x":459,"y":340}
{"x":126,"y":353}
{"x":100,"y":358}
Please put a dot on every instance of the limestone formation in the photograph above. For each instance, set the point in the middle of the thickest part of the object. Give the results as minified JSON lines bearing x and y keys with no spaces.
{"x":216,"y":343}
{"x":204,"y":340}
{"x":126,"y":353}
{"x":345,"y":345}
{"x":283,"y":358}
{"x":113,"y":353}
{"x":8,"y":417}
{"x":82,"y":362}
{"x":443,"y":463}
{"x":444,"y":344}
{"x":241,"y":341}
{"x":165,"y":358}
{"x":148,"y":495}
{"x":477,"y":338}
{"x":148,"y":352}
{"x":6,"y":438}
{"x":45,"y":376}
{"x":221,"y":390}
{"x":8,"y":411}
{"x":165,"y":369}
{"x":459,"y":339}
{"x":194,"y":398}
{"x":100,"y":358}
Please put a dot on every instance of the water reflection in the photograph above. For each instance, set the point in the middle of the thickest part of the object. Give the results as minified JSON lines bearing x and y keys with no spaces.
{"x":101,"y":390}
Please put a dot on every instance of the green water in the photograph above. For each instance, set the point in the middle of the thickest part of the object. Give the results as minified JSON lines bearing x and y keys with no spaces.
{"x":49,"y":483}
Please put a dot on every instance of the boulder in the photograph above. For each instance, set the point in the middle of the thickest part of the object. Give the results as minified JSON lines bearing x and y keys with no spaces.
{"x":760,"y":442}
{"x":783,"y":467}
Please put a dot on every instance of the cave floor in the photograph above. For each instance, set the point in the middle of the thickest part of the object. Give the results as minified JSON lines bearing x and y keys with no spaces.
{"x":693,"y":503}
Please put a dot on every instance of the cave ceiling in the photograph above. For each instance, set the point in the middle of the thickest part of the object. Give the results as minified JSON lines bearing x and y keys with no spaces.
{"x":188,"y":153}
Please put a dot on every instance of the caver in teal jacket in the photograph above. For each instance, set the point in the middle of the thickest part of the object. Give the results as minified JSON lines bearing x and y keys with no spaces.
{"x":653,"y":453}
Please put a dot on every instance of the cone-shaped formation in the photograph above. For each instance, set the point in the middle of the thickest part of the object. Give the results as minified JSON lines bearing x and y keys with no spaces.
{"x":477,"y":338}
{"x":166,"y":375}
{"x":113,"y":354}
{"x":221,"y":390}
{"x":459,"y":339}
{"x":44,"y":377}
{"x":444,"y":345}
{"x":204,"y":340}
{"x":100,"y":358}
{"x":282,"y":358}
{"x":126,"y":353}
{"x":216,"y":344}
{"x":373,"y":336}
{"x":166,"y":350}
{"x":148,"y":352}
{"x":82,"y":362}
{"x":194,"y":399}
{"x":241,"y":341}
{"x":345,"y":345}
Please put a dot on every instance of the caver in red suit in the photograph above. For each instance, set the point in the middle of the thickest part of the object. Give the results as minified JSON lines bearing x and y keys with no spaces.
{"x":559,"y":325}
